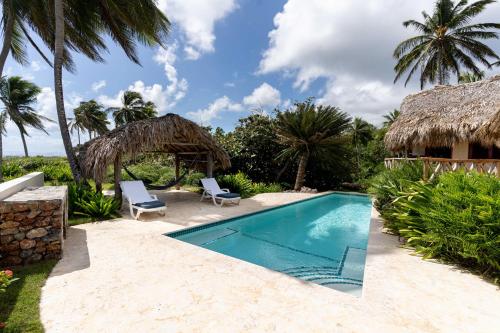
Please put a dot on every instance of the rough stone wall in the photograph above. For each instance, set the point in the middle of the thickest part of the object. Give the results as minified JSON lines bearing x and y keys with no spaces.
{"x":32,"y":224}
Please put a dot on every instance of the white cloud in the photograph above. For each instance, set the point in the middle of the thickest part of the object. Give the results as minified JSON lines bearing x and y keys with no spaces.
{"x":264,"y":95}
{"x":196,"y":20}
{"x":176,"y":88}
{"x":98,"y":85}
{"x":230,"y":84}
{"x":213,"y":111}
{"x":35,"y":66}
{"x":348,"y":44}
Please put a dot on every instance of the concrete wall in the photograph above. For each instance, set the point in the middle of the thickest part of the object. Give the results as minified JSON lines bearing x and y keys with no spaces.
{"x":460,"y":151}
{"x":34,"y":179}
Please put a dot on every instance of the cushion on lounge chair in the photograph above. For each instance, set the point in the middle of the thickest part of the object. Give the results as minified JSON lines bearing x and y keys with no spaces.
{"x":150,"y":204}
{"x":228,"y":195}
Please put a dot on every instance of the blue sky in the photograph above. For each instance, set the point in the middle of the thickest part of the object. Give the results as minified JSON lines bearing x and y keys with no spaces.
{"x":226,"y":58}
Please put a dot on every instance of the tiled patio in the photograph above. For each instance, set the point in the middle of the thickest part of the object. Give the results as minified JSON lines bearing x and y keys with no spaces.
{"x":125,"y":276}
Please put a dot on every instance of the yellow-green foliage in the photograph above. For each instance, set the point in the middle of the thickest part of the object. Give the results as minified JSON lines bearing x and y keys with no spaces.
{"x":242,"y":184}
{"x":457,"y":220}
{"x":54,"y":168}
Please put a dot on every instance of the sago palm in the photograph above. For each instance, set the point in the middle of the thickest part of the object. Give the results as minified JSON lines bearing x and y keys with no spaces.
{"x":18,"y":97}
{"x":133,"y":108}
{"x":447,"y":44}
{"x":309,"y":131}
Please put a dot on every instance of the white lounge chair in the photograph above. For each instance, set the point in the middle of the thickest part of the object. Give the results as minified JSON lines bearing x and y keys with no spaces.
{"x":138,"y":198}
{"x":212,"y":190}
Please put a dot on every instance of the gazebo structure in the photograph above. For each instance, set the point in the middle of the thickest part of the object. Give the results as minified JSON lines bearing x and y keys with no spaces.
{"x":451,"y":126}
{"x":171,"y":134}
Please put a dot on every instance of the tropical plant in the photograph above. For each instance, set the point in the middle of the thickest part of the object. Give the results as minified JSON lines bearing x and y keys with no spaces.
{"x":6,"y":278}
{"x":84,"y":201}
{"x":3,"y":119}
{"x":457,"y":220}
{"x":18,"y":97}
{"x":89,"y":117}
{"x":237,"y":183}
{"x":310,"y":131}
{"x":468,"y":77}
{"x":124,"y":22}
{"x":447,"y":43}
{"x":133,"y":108}
{"x":361,"y":132}
{"x":391,"y":118}
{"x":387,"y":186}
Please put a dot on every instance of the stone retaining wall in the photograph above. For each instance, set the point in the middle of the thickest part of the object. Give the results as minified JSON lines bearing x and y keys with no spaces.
{"x":32,"y":225}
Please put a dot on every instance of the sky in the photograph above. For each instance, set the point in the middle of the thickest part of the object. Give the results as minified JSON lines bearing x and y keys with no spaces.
{"x":228,"y":58}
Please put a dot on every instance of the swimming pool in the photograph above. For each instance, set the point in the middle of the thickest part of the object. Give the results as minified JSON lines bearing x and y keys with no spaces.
{"x":321,"y":240}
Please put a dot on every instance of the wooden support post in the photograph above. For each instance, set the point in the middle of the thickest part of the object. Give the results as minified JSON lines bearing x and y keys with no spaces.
{"x":498,"y":169}
{"x":177,"y":174}
{"x":98,"y":187}
{"x":426,"y":170}
{"x":118,"y":175}
{"x":210,"y":165}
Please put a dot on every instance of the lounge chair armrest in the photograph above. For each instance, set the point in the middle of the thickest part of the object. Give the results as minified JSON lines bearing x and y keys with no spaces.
{"x":154,"y":196}
{"x":225,"y":190}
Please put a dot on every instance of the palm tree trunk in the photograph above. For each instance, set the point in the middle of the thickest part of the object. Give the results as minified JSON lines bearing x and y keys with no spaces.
{"x":1,"y":156}
{"x":301,"y":171}
{"x":58,"y":88}
{"x":7,"y":38}
{"x":78,"y":131}
{"x":23,"y":138}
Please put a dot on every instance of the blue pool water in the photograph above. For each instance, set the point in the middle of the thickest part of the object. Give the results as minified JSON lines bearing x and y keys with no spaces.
{"x":321,"y":240}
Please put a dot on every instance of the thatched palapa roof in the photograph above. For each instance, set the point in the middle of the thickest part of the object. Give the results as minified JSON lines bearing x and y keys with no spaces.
{"x":170,"y":134}
{"x":446,"y":115}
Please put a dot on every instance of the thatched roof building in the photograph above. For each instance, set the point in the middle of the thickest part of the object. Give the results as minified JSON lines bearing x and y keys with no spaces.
{"x":169,"y":134}
{"x":447,"y":115}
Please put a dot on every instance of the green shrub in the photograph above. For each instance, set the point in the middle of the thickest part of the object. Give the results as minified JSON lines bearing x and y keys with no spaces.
{"x":266,"y":188}
{"x":12,"y":170}
{"x":242,"y":184}
{"x":387,"y":186}
{"x":59,"y":173}
{"x":85,"y":201}
{"x":238,"y":183}
{"x":457,"y":220}
{"x":55,"y":169}
{"x":193,"y":179}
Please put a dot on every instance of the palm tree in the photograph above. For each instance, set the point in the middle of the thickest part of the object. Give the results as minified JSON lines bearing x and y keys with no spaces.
{"x":18,"y":96}
{"x":468,"y":77}
{"x":3,"y":120}
{"x":133,"y":108}
{"x":391,"y":117}
{"x":308,"y":131}
{"x":124,"y":22}
{"x":447,"y":43}
{"x":361,"y":132}
{"x":89,"y":117}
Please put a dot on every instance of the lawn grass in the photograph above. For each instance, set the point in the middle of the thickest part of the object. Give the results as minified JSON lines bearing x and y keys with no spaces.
{"x":19,"y":305}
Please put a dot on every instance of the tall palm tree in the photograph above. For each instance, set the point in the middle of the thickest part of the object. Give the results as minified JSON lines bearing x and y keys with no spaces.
{"x":468,"y":77}
{"x":133,"y":108}
{"x":89,"y":117}
{"x":18,"y":97}
{"x":124,"y":21}
{"x":446,"y":43}
{"x":361,"y":132}
{"x":308,"y":131}
{"x":391,"y":117}
{"x":3,"y":120}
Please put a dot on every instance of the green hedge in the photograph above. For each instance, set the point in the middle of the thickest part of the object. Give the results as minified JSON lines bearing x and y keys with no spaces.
{"x":455,"y":219}
{"x":242,"y":184}
{"x":55,"y":169}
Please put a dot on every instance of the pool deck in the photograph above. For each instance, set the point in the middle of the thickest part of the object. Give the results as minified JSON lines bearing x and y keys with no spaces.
{"x":125,"y":276}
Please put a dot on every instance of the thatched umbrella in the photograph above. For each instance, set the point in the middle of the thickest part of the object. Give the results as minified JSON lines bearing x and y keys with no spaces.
{"x":446,"y":115}
{"x":169,"y":134}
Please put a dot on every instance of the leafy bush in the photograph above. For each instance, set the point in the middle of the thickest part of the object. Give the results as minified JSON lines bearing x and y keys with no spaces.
{"x":457,"y":220}
{"x":242,"y":184}
{"x":238,"y":183}
{"x":388,"y":185}
{"x":266,"y":188}
{"x":60,"y":173}
{"x":55,"y":169}
{"x":85,"y":201}
{"x":194,"y":178}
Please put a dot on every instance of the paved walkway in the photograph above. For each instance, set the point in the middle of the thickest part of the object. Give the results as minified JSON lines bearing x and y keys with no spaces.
{"x":125,"y":276}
